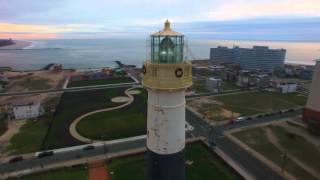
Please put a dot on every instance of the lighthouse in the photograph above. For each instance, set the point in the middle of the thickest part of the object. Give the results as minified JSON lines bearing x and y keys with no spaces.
{"x":166,"y":76}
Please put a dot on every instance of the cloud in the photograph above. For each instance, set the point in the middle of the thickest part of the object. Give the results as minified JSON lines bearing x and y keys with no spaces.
{"x":46,"y":29}
{"x":75,"y":18}
{"x":30,"y":36}
{"x":250,"y":9}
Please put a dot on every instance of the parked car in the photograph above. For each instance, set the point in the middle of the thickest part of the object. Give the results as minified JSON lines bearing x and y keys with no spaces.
{"x":88,"y":148}
{"x":259,"y":116}
{"x":16,"y":159}
{"x":240,"y":119}
{"x":45,"y":154}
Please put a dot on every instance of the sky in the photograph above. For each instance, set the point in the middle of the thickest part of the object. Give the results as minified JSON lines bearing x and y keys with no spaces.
{"x":296,"y":20}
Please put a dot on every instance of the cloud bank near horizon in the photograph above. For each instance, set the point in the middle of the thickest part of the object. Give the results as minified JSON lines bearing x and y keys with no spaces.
{"x":239,"y":19}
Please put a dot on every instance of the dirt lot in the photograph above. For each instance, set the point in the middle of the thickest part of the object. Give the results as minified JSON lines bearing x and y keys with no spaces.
{"x":29,"y":81}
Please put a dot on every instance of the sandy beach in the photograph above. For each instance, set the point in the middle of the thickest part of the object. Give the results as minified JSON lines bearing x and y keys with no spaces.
{"x":17,"y":45}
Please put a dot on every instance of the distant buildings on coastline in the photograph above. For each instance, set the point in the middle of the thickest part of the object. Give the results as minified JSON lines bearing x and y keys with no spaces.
{"x":6,"y":42}
{"x":258,"y":57}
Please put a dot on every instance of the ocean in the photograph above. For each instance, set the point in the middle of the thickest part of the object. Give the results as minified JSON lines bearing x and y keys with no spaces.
{"x":95,"y":53}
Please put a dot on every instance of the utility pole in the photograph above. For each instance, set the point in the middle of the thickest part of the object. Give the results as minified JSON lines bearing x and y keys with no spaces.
{"x":284,"y":161}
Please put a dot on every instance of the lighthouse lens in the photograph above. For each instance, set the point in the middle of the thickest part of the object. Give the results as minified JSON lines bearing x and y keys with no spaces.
{"x":167,"y":48}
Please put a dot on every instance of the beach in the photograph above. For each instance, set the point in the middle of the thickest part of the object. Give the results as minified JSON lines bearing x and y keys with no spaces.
{"x":17,"y":45}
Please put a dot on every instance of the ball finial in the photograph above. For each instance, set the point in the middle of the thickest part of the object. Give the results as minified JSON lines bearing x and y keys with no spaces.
{"x":167,"y":24}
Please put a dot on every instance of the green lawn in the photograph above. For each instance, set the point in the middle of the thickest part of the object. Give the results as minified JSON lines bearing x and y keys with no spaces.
{"x":199,"y":86}
{"x":205,"y":166}
{"x":94,"y":82}
{"x":63,"y":174}
{"x":29,"y":139}
{"x":258,"y":102}
{"x":257,"y":139}
{"x":116,"y":124}
{"x":34,"y":84}
{"x":224,"y":107}
{"x":228,"y":86}
{"x":128,"y":168}
{"x":73,"y":105}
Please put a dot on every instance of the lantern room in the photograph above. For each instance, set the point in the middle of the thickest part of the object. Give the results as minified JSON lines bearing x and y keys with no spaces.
{"x":167,"y":46}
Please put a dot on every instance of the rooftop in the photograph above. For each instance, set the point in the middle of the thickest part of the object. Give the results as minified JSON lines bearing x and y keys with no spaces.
{"x":167,"y":31}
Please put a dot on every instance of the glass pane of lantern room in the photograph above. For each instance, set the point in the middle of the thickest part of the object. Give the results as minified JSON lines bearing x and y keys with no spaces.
{"x":167,"y":50}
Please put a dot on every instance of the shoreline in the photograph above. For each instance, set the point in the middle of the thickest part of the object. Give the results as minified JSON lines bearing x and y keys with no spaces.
{"x":18,"y":44}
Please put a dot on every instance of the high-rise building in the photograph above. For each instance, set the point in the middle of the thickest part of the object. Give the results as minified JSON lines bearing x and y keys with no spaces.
{"x":166,"y":76}
{"x":258,"y":57}
{"x":312,"y":109}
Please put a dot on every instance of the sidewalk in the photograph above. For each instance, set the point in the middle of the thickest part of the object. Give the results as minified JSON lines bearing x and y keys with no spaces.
{"x":97,"y":171}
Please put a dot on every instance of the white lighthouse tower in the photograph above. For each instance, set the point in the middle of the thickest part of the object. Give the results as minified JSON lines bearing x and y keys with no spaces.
{"x":166,"y":76}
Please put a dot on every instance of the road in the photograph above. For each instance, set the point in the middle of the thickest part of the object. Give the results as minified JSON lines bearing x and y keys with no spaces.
{"x":201,"y":129}
{"x":70,"y":155}
{"x":241,"y":156}
{"x":85,"y":88}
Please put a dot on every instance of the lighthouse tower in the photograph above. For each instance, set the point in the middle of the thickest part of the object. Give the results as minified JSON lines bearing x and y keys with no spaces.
{"x":166,"y":76}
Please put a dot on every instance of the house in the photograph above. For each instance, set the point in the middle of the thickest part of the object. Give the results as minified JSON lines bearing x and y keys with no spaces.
{"x":27,"y":110}
{"x":288,"y":88}
{"x":214,"y":84}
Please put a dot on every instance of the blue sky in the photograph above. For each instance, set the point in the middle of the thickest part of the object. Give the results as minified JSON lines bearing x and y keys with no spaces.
{"x":214,"y":19}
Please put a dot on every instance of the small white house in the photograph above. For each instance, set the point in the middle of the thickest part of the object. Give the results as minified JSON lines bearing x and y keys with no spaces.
{"x":214,"y":84}
{"x":288,"y":88}
{"x":27,"y":111}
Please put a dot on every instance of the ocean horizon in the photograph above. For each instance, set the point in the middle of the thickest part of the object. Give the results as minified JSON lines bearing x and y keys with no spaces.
{"x":97,"y":53}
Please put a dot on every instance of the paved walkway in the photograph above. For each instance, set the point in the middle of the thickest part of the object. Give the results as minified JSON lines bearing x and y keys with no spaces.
{"x":73,"y":130}
{"x":97,"y":171}
{"x":13,"y":128}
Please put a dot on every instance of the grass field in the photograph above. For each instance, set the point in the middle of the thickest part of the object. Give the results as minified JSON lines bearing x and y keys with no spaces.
{"x":94,"y":82}
{"x":309,"y":154}
{"x":3,"y":125}
{"x":199,"y":86}
{"x":73,"y":105}
{"x":253,"y":102}
{"x":116,"y":124}
{"x":29,"y":138}
{"x":205,"y":166}
{"x":228,"y":86}
{"x":34,"y":84}
{"x":257,"y":139}
{"x":62,"y":174}
{"x":246,"y":104}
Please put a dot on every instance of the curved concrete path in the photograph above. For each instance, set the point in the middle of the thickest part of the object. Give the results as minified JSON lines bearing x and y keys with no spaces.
{"x":73,"y":131}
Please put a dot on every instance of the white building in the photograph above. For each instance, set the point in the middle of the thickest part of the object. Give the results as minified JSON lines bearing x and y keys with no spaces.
{"x":288,"y":88}
{"x":214,"y":84}
{"x":27,"y":111}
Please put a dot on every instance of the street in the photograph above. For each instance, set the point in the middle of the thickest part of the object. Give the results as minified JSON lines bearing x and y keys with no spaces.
{"x":201,"y":129}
